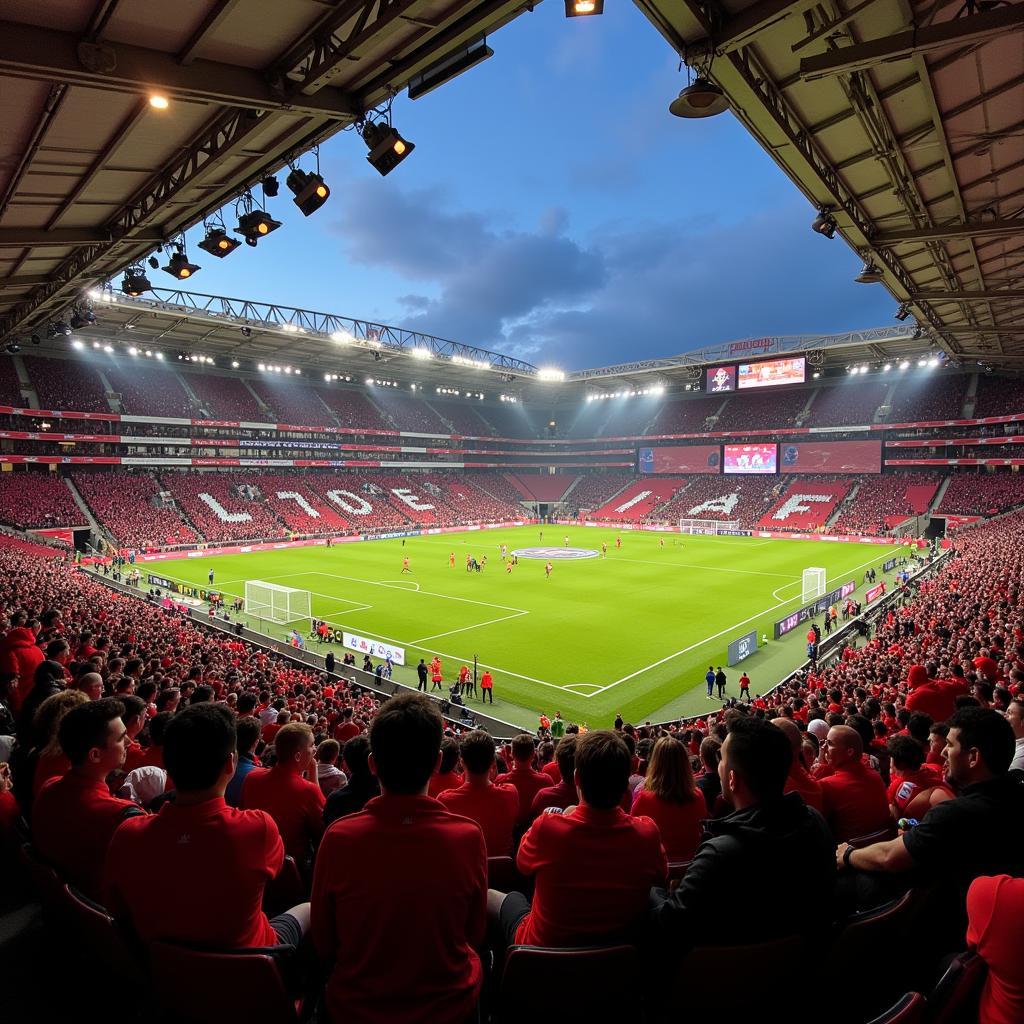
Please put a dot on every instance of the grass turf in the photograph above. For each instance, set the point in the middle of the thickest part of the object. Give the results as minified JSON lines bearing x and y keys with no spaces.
{"x":632,"y":633}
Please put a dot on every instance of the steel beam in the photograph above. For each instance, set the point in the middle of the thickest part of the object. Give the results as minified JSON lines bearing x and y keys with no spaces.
{"x":994,"y":295}
{"x":943,"y":233}
{"x":48,"y":55}
{"x":65,"y":237}
{"x":24,"y":281}
{"x":972,"y":29}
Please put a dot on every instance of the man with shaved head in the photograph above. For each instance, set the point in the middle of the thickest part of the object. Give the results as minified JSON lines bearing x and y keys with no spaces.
{"x":798,"y":781}
{"x":854,"y":796}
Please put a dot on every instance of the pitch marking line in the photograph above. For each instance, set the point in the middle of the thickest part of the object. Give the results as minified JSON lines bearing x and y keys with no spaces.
{"x":476,"y":625}
{"x":708,"y":639}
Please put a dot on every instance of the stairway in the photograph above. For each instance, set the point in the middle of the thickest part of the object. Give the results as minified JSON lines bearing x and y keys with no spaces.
{"x":843,"y":505}
{"x":94,"y":526}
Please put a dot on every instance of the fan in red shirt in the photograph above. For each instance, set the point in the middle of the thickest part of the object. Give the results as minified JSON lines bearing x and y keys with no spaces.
{"x":528,"y":783}
{"x":295,"y":803}
{"x":935,"y":698}
{"x":346,"y":728}
{"x":563,"y":795}
{"x":369,"y":907}
{"x":225,"y":856}
{"x":915,"y":788}
{"x":995,"y":927}
{"x":855,"y":800}
{"x":670,"y":798}
{"x":493,"y":808}
{"x":798,"y":780}
{"x":447,"y":775}
{"x":75,"y":817}
{"x":593,"y":868}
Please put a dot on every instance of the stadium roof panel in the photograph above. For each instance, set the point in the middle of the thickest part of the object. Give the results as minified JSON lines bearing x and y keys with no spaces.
{"x":905,"y":120}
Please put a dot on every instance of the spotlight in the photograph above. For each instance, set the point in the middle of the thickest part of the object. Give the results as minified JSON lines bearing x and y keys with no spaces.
{"x":135,"y":282}
{"x":246,"y":332}
{"x":700,"y":99}
{"x":387,"y":148}
{"x":234,"y":364}
{"x":825,"y":224}
{"x":310,"y":191}
{"x":218,"y":243}
{"x":583,"y":8}
{"x":870,"y":274}
{"x":905,"y":365}
{"x":256,"y":225}
{"x":61,"y":329}
{"x":887,"y":367}
{"x":13,"y":347}
{"x":158,"y":101}
{"x":270,"y":186}
{"x":178,"y":266}
{"x":903,"y":312}
{"x":153,"y":262}
{"x":77,"y":345}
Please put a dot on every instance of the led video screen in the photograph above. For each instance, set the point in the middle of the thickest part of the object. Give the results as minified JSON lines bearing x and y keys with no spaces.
{"x":694,"y":458}
{"x":771,"y":373}
{"x":750,"y":458}
{"x":834,"y":457}
{"x":721,"y":378}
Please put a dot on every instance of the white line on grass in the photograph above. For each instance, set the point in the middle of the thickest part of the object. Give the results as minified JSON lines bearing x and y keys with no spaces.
{"x":708,"y":639}
{"x":709,"y":568}
{"x":476,"y":625}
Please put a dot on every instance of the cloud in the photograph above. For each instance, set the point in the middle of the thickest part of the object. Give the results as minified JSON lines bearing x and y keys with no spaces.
{"x":633,"y":289}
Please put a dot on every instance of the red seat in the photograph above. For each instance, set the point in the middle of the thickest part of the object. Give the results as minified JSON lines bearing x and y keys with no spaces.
{"x":909,"y":1010}
{"x":600,"y":983}
{"x":201,"y":987}
{"x":47,"y":883}
{"x":101,"y":936}
{"x":883,"y":835}
{"x":956,"y":996}
{"x":285,"y":891}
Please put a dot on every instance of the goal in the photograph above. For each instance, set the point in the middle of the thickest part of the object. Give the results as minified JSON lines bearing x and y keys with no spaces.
{"x":711,"y":526}
{"x":814,"y":584}
{"x":279,"y":604}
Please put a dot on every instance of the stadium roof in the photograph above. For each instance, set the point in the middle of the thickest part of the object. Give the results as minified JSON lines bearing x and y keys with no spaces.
{"x":92,"y":177}
{"x":905,"y":120}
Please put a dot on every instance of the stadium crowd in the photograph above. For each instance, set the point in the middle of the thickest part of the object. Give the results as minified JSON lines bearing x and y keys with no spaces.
{"x":142,"y":746}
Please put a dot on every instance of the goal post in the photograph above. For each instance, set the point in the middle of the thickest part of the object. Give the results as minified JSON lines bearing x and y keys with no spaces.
{"x":709,"y":526}
{"x":277,"y":603}
{"x":814,"y":584}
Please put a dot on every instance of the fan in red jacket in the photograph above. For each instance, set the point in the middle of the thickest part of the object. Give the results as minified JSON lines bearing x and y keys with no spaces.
{"x":20,"y":653}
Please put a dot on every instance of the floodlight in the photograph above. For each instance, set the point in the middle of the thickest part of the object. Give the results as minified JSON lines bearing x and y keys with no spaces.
{"x":256,"y":225}
{"x":702,"y":98}
{"x":135,"y":282}
{"x":270,"y":186}
{"x":311,"y":192}
{"x":178,"y":266}
{"x":387,"y":148}
{"x":583,"y":8}
{"x":871,"y":274}
{"x":218,"y":243}
{"x":825,"y":224}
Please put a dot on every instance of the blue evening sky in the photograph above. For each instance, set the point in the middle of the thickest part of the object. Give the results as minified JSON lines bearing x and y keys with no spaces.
{"x":554,"y":209}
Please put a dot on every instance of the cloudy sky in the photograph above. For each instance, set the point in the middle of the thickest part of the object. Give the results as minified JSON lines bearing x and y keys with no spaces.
{"x":553,"y":209}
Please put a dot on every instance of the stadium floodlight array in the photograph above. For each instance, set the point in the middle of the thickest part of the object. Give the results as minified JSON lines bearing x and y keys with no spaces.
{"x":276,"y":603}
{"x":709,"y":526}
{"x":814,"y":584}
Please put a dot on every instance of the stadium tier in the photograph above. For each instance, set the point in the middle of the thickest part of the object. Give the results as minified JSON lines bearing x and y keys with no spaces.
{"x":977,"y":495}
{"x":851,"y":402}
{"x":37,"y":501}
{"x":638,"y":501}
{"x":225,"y":398}
{"x":462,"y":418}
{"x":540,"y":486}
{"x":156,"y":392}
{"x":719,"y":498}
{"x":883,"y":502}
{"x":354,"y":409}
{"x":932,"y":400}
{"x":65,"y":385}
{"x":294,"y":402}
{"x":806,"y":504}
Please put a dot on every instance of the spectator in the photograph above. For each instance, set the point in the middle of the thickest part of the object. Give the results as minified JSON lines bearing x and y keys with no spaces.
{"x":1015,"y":716}
{"x":295,"y":803}
{"x":247,"y":736}
{"x":447,"y":775}
{"x":368,"y":903}
{"x":995,"y":927}
{"x":798,"y":780}
{"x":48,"y":680}
{"x":328,"y":775}
{"x":74,"y":817}
{"x":592,"y":868}
{"x":563,"y":795}
{"x":227,"y":855}
{"x":854,"y":796}
{"x":50,"y":761}
{"x":494,"y":808}
{"x":936,"y":699}
{"x":20,"y":653}
{"x":528,"y":783}
{"x":787,"y":840}
{"x":914,"y":789}
{"x":362,"y":783}
{"x":670,"y":798}
{"x":709,"y":782}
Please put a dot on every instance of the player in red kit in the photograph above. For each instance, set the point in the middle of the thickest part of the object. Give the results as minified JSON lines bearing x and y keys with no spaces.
{"x":405,"y":565}
{"x":618,"y":542}
{"x":451,"y":560}
{"x":547,"y":570}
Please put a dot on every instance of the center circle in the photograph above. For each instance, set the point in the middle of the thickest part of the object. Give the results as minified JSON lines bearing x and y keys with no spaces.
{"x":552,"y":553}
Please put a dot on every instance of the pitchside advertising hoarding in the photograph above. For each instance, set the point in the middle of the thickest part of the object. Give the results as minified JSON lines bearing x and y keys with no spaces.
{"x":834,"y":457}
{"x":770,"y":373}
{"x":697,"y":458}
{"x":750,"y":458}
{"x":374,"y":648}
{"x":742,"y":647}
{"x":790,"y":622}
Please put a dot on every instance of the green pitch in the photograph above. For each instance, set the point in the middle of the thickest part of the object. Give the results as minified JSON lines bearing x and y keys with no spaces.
{"x":631,"y":633}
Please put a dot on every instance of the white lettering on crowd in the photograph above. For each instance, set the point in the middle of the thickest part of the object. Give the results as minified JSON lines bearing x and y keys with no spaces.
{"x":726,"y":503}
{"x":795,"y":504}
{"x":221,"y":512}
{"x":410,"y":499}
{"x":361,"y":507}
{"x":301,"y":502}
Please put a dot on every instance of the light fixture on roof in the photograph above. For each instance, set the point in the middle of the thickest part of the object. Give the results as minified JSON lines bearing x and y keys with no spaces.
{"x":246,"y":332}
{"x":422,"y":353}
{"x":158,"y":101}
{"x":256,"y":224}
{"x":219,"y":243}
{"x":160,"y":355}
{"x":903,"y":312}
{"x":870,"y":274}
{"x":387,"y":148}
{"x":61,"y":328}
{"x":179,"y":267}
{"x":310,"y":190}
{"x":701,"y":98}
{"x":77,"y":345}
{"x":825,"y":224}
{"x":108,"y":349}
{"x":583,"y":8}
{"x":270,"y":186}
{"x":887,"y":367}
{"x":135,"y":282}
{"x":133,"y":351}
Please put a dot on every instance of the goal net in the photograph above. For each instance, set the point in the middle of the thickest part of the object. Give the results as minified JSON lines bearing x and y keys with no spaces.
{"x":279,"y":604}
{"x":814,"y":584}
{"x":711,"y":526}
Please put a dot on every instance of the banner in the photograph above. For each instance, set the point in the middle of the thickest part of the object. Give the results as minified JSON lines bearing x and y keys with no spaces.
{"x":790,"y":622}
{"x":750,"y":458}
{"x":836,"y":457}
{"x":375,"y":648}
{"x":874,"y":593}
{"x":695,"y":458}
{"x":743,"y":647}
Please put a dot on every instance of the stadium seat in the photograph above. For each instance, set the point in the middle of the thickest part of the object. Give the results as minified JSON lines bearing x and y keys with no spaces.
{"x":101,"y":938}
{"x":676,"y":871}
{"x":203,"y":987}
{"x":286,"y":890}
{"x":910,"y":1009}
{"x":601,"y":983}
{"x":881,"y":836}
{"x":955,"y":998}
{"x":47,"y":884}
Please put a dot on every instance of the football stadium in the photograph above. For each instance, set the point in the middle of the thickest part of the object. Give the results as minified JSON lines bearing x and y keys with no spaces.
{"x":563,"y":557}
